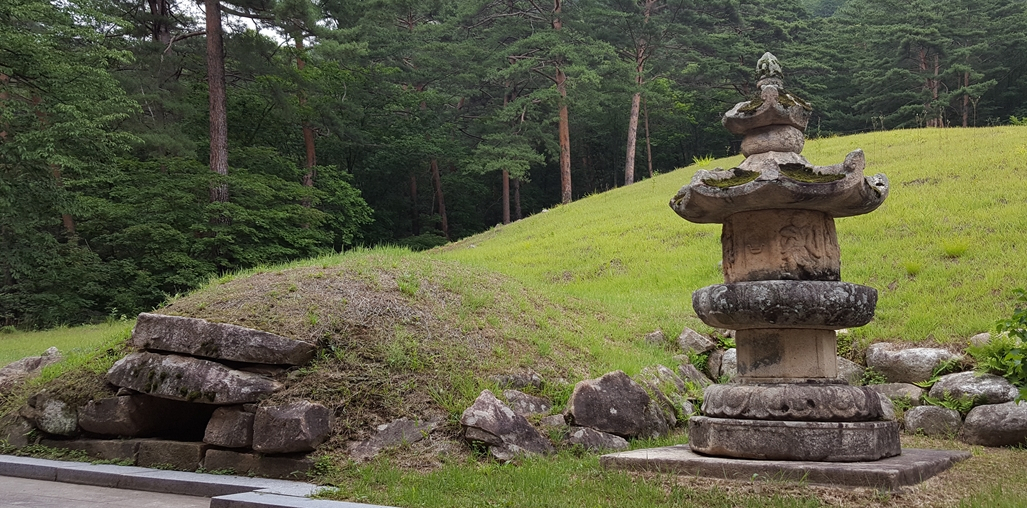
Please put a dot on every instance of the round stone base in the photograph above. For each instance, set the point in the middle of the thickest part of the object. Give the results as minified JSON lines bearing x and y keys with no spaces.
{"x":792,"y":402}
{"x":779,"y":440}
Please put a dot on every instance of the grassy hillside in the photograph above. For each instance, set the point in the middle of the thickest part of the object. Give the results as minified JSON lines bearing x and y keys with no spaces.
{"x":943,"y":251}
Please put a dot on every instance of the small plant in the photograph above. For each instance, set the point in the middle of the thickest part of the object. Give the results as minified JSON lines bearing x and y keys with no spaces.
{"x":1004,"y":353}
{"x":705,"y":160}
{"x":726,"y":342}
{"x":699,"y":360}
{"x":961,"y":404}
{"x":408,"y":284}
{"x":912,"y":268}
{"x":945,"y":367}
{"x":955,"y":248}
{"x":872,"y":376}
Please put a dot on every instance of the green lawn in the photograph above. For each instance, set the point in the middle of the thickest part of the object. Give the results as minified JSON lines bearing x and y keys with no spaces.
{"x":18,"y":345}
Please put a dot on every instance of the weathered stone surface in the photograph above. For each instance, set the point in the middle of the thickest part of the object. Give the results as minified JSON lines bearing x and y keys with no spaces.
{"x":729,"y":364}
{"x":792,"y":402}
{"x":900,"y":391}
{"x":594,"y":440}
{"x":713,"y":364}
{"x":778,"y":353}
{"x":887,"y":410}
{"x":507,"y":434}
{"x":189,"y":379}
{"x":785,"y":304}
{"x":690,"y":373}
{"x":980,"y":339}
{"x":553,"y":421}
{"x":854,"y":194}
{"x":911,"y":365}
{"x":519,"y":380}
{"x":140,"y":415}
{"x":770,"y":112}
{"x":51,"y":415}
{"x":850,"y":371}
{"x":933,"y":421}
{"x":180,"y":455}
{"x":286,"y":467}
{"x":298,"y":426}
{"x":100,"y":449}
{"x":780,"y":440}
{"x":19,"y":371}
{"x":390,"y":435}
{"x":230,"y":427}
{"x":773,"y":138}
{"x":655,"y":338}
{"x":780,"y":245}
{"x":983,"y":388}
{"x":615,"y":404}
{"x":525,"y":405}
{"x":669,"y":390}
{"x":996,"y":425}
{"x":692,"y":341}
{"x":14,"y":430}
{"x":198,"y":337}
{"x":889,"y":474}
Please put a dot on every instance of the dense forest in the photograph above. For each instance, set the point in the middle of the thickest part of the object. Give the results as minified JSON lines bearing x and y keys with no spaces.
{"x":145,"y":146}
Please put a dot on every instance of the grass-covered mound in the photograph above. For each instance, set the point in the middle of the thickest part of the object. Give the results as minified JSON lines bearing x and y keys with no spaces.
{"x":944,"y":250}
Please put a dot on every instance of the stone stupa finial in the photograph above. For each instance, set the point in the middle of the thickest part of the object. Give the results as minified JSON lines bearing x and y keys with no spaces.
{"x":768,"y":71}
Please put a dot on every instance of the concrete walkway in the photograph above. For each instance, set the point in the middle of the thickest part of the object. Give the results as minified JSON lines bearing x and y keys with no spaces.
{"x":39,"y":482}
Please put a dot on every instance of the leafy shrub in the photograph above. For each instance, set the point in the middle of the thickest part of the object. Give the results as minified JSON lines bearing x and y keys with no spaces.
{"x":873,"y":376}
{"x":1004,"y":353}
{"x":962,"y":404}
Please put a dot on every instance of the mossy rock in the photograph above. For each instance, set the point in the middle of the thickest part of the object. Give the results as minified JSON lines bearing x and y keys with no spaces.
{"x":805,"y":174}
{"x":741,"y":176}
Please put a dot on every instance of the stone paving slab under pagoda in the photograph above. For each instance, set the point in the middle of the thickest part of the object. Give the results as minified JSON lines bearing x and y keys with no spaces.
{"x":911,"y":467}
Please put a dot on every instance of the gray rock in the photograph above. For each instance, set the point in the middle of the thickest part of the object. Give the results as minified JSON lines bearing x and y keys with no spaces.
{"x":230,"y":427}
{"x":714,"y":362}
{"x":933,"y":421}
{"x":656,"y":338}
{"x":616,"y":404}
{"x":907,"y":392}
{"x":851,"y":372}
{"x":51,"y":415}
{"x":669,"y":389}
{"x":773,"y":138}
{"x":14,"y":430}
{"x":785,"y":304}
{"x":996,"y":425}
{"x":911,"y":365}
{"x":729,"y":364}
{"x":984,"y":388}
{"x":980,"y":339}
{"x":692,"y":341}
{"x":594,"y":440}
{"x":189,"y":379}
{"x":198,"y":337}
{"x":507,"y":434}
{"x":140,"y":415}
{"x":180,"y":455}
{"x":553,"y":421}
{"x":519,"y":380}
{"x":391,"y":435}
{"x":887,"y":409}
{"x":294,"y":427}
{"x":17,"y":372}
{"x":692,"y":374}
{"x":526,"y":405}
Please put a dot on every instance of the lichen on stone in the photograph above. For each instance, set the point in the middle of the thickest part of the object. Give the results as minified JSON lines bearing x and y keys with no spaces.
{"x":805,"y":174}
{"x":741,"y":176}
{"x":787,"y":99}
{"x":752,"y":106}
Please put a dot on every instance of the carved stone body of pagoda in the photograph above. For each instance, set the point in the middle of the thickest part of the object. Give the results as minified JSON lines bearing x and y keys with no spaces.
{"x":783,"y":293}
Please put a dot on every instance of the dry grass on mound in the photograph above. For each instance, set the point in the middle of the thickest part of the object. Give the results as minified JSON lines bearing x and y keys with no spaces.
{"x":397,"y":336}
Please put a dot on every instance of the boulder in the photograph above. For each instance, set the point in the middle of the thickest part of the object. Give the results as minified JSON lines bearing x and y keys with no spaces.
{"x":983,"y":388}
{"x":391,"y":435}
{"x":139,"y":415}
{"x":980,"y":339}
{"x":594,"y":440}
{"x":19,"y":371}
{"x":851,"y":372}
{"x":729,"y":364}
{"x":996,"y":425}
{"x":519,"y":380}
{"x":553,"y":421}
{"x":230,"y":427}
{"x":933,"y":421}
{"x":692,"y":374}
{"x":900,"y":391}
{"x":294,"y":427}
{"x":51,"y":415}
{"x":14,"y":430}
{"x":507,"y":434}
{"x":695,"y":342}
{"x":911,"y":365}
{"x":179,"y":455}
{"x":655,"y":338}
{"x":669,"y":390}
{"x":713,"y":363}
{"x":189,"y":379}
{"x":616,"y":404}
{"x":198,"y":337}
{"x":526,"y":405}
{"x":887,"y":409}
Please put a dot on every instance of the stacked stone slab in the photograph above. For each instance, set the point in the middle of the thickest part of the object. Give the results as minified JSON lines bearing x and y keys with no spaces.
{"x":783,"y":292}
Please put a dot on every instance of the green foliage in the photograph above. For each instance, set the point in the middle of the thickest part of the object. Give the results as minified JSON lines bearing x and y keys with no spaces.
{"x":1004,"y":353}
{"x":945,"y":367}
{"x":962,"y":404}
{"x":872,"y":376}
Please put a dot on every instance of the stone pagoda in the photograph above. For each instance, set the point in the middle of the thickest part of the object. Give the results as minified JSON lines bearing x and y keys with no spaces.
{"x":783,"y":293}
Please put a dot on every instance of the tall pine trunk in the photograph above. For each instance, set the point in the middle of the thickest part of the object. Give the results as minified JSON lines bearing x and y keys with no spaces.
{"x":629,"y":162}
{"x":437,"y":178}
{"x":506,"y":197}
{"x":308,"y":131}
{"x":648,"y":140}
{"x":565,"y":130}
{"x":218,"y":102}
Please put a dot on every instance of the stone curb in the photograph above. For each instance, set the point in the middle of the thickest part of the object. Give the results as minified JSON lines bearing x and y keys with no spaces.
{"x":225,"y":491}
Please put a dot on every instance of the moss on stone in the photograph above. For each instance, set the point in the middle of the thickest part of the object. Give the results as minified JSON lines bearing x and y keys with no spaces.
{"x":787,"y":99}
{"x":752,"y":106}
{"x":805,"y":174}
{"x":740,"y":177}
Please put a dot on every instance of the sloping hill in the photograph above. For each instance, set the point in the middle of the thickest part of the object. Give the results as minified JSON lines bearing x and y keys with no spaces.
{"x":943,"y":251}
